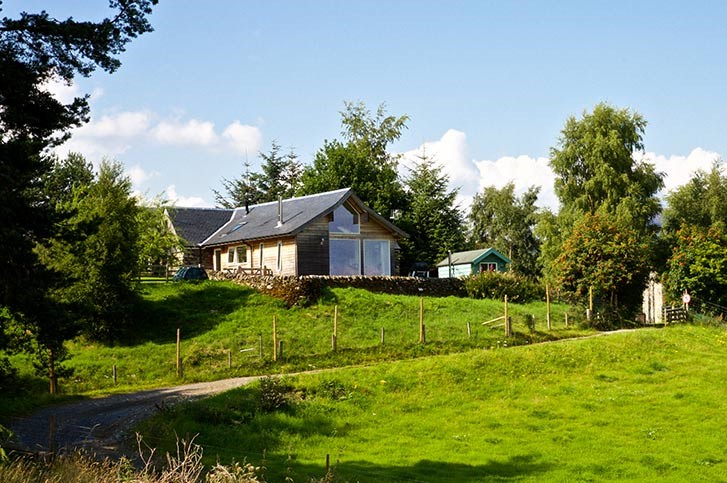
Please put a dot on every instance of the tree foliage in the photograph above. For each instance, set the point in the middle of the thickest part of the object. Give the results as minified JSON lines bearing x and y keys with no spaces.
{"x":602,"y":188}
{"x":34,"y":50}
{"x":607,"y":255}
{"x":280,"y":176}
{"x":100,"y":261}
{"x":701,"y":202}
{"x":432,"y":217}
{"x":505,"y":222}
{"x":595,"y":168}
{"x":699,"y":264}
{"x":362,"y":162}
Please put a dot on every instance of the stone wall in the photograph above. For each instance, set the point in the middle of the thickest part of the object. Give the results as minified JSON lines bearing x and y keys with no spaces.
{"x":307,"y":289}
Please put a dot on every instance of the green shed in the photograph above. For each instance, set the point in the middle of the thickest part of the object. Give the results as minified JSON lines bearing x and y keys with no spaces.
{"x":461,"y":264}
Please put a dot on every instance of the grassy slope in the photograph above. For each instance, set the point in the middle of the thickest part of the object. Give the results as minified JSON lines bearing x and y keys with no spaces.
{"x":643,"y":406}
{"x":218,"y":317}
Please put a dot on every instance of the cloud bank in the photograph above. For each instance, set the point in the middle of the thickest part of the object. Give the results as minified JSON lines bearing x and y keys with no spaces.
{"x":471,"y":175}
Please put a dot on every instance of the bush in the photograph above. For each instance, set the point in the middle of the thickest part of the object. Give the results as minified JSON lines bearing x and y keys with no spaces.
{"x":495,"y":285}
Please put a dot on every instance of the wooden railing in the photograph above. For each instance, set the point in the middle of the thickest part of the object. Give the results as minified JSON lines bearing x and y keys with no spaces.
{"x":259,"y":272}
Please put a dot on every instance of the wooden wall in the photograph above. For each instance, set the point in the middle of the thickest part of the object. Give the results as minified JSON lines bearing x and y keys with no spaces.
{"x":313,"y":248}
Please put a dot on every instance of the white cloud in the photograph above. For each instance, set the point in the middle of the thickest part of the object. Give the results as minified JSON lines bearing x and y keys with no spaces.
{"x":525,"y":171}
{"x":62,"y":91}
{"x":193,"y":132}
{"x":139,"y":175}
{"x":679,"y":169}
{"x":471,"y":176}
{"x":450,"y":153}
{"x":128,"y":124}
{"x":187,"y":201}
{"x":243,"y":138}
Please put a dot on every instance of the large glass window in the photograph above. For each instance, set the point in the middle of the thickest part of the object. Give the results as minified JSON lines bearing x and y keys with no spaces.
{"x":345,"y":257}
{"x":377,"y":257}
{"x":344,"y":221}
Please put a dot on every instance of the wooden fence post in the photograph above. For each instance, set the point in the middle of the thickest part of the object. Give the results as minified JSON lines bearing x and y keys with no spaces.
{"x":566,"y":319}
{"x":469,"y":330}
{"x":421,"y":320}
{"x":229,"y":359}
{"x":547,"y":305}
{"x":179,"y":352}
{"x":334,"y":337}
{"x":275,"y":338}
{"x":382,"y":336}
{"x":113,"y":372}
{"x":508,"y":329}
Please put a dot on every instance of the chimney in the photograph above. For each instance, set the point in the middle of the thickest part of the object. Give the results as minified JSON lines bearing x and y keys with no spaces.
{"x":247,"y":206}
{"x":280,"y":210}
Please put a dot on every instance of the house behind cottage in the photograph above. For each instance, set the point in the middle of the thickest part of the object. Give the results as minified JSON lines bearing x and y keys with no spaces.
{"x":332,"y":233}
{"x":461,"y":264}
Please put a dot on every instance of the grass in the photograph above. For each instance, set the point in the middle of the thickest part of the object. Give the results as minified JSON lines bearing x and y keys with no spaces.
{"x":641,"y":406}
{"x":217,"y":318}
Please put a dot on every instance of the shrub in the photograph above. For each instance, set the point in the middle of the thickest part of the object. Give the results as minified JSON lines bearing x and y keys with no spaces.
{"x":495,"y":285}
{"x":274,"y":394}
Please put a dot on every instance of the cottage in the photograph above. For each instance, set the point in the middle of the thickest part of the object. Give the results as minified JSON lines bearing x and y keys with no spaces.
{"x":332,"y":233}
{"x":461,"y":264}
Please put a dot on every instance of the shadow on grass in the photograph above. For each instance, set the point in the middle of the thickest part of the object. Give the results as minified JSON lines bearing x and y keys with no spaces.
{"x":515,"y":467}
{"x":195,"y":308}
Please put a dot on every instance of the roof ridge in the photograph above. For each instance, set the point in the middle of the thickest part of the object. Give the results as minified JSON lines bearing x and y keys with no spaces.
{"x":294,"y":198}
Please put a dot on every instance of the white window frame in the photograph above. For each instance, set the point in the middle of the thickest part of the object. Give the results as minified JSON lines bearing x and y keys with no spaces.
{"x":260,"y":256}
{"x":487,"y":265}
{"x":279,"y":261}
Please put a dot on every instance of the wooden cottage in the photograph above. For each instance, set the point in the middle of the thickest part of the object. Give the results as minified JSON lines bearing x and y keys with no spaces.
{"x":461,"y":264}
{"x":331,"y":233}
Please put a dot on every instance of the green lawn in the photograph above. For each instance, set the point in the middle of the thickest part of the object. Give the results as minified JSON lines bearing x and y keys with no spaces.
{"x":643,"y":406}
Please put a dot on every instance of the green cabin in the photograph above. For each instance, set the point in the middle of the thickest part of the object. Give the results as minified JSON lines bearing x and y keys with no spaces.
{"x":461,"y":264}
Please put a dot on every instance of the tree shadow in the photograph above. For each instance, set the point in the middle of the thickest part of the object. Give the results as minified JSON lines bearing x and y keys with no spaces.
{"x":513,"y":468}
{"x":192,"y":308}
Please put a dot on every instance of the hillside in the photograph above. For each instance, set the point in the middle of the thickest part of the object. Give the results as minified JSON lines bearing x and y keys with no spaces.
{"x":641,"y":406}
{"x":222,"y":326}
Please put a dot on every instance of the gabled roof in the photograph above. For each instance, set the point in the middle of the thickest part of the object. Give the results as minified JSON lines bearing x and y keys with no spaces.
{"x":472,"y":256}
{"x":195,"y":225}
{"x":261,"y":221}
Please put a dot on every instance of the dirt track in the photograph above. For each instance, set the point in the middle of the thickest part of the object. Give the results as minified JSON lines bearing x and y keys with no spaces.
{"x":101,"y":425}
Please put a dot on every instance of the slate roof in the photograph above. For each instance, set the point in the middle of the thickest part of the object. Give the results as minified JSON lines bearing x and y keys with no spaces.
{"x":262,"y":220}
{"x":195,"y":225}
{"x":469,"y":257}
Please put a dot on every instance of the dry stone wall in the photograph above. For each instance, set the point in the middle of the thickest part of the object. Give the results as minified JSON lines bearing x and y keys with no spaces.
{"x":307,"y":289}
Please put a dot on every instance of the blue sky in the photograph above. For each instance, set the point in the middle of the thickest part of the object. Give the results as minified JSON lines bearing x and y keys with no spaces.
{"x":487,"y":85}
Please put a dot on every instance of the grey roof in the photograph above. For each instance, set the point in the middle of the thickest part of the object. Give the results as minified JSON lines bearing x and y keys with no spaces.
{"x":195,"y":225}
{"x":262,"y":220}
{"x":469,"y":257}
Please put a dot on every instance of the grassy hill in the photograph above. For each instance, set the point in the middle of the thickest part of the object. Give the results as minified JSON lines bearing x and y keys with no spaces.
{"x":641,"y":406}
{"x":221,"y":321}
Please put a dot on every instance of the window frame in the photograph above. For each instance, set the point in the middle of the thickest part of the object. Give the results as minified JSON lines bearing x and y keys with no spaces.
{"x":333,"y":242}
{"x":387,"y":261}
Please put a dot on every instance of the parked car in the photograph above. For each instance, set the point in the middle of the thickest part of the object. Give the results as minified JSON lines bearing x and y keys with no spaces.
{"x":190,"y":273}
